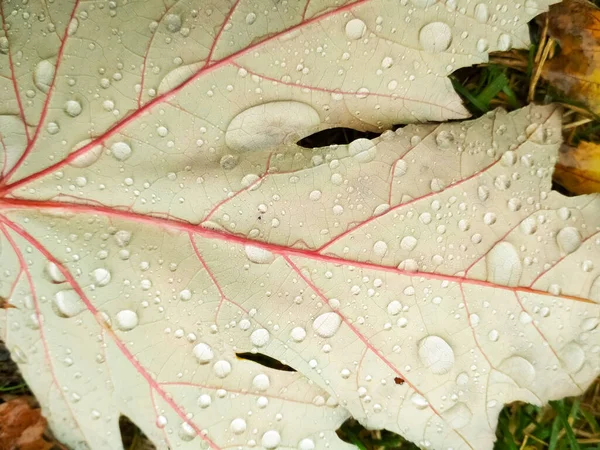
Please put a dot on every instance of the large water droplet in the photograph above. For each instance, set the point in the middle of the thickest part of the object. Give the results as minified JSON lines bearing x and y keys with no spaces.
{"x":87,"y":158}
{"x":260,"y":337}
{"x":504,"y":266}
{"x":519,"y":369}
{"x":173,"y":22}
{"x":298,"y":334}
{"x":568,"y":239}
{"x":363,"y":150}
{"x":101,"y":276}
{"x":203,"y":353}
{"x":270,"y":125}
{"x":68,"y":303}
{"x":271,"y":439}
{"x":481,"y":13}
{"x":186,"y":432}
{"x":419,"y":401}
{"x":222,"y":368}
{"x":327,"y":324}
{"x":54,"y":273}
{"x":73,"y":108}
{"x":380,"y":248}
{"x":504,"y":42}
{"x":127,"y":320}
{"x":43,"y":75}
{"x":259,"y":255}
{"x":355,"y":29}
{"x":458,"y":416}
{"x":238,"y":425}
{"x":436,"y":354}
{"x":572,"y":357}
{"x":261,"y":382}
{"x":435,"y":37}
{"x":408,"y":243}
{"x":120,"y":150}
{"x":306,"y":444}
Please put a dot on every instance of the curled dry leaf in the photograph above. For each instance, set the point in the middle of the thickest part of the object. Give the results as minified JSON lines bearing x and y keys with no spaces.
{"x":576,"y":69}
{"x":578,"y":168}
{"x":22,"y":427}
{"x":158,"y":222}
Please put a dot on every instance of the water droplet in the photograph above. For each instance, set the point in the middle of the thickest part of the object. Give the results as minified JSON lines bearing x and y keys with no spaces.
{"x":101,"y":276}
{"x":387,"y":62}
{"x":306,"y":444}
{"x":271,"y":439}
{"x":568,"y":239}
{"x":436,"y":354}
{"x":572,"y":357}
{"x":203,"y":353}
{"x":73,"y":26}
{"x":127,"y":320}
{"x":493,"y":335}
{"x":73,"y":108}
{"x":394,"y":307}
{"x":298,"y":334}
{"x":54,"y":273}
{"x":528,"y":226}
{"x":444,"y":139}
{"x":474,"y":319}
{"x":261,"y":382}
{"x":161,"y":421}
{"x":315,"y":195}
{"x":504,"y":265}
{"x":590,"y":324}
{"x":259,"y":337}
{"x":519,"y":369}
{"x":120,"y":150}
{"x":250,"y":18}
{"x":504,"y":42}
{"x":408,"y":243}
{"x":481,"y":13}
{"x":186,"y":432}
{"x":222,"y":368}
{"x":419,"y":401}
{"x":458,"y":416}
{"x":327,"y":324}
{"x":380,"y":248}
{"x":89,"y":157}
{"x":204,"y":401}
{"x":259,"y":255}
{"x":270,"y":125}
{"x":173,"y":22}
{"x":482,"y":45}
{"x":435,"y":37}
{"x":43,"y":75}
{"x":400,"y":168}
{"x":68,"y":303}
{"x":238,"y":426}
{"x":355,"y":29}
{"x":363,"y":150}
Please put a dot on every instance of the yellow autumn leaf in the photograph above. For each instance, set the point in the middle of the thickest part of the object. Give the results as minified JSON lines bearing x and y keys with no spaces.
{"x":578,"y":168}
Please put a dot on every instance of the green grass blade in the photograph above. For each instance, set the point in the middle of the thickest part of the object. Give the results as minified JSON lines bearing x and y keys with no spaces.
{"x":492,"y":89}
{"x":458,"y":87}
{"x":554,"y":435}
{"x":559,"y":407}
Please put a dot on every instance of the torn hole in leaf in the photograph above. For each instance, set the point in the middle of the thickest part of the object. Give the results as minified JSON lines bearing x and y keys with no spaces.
{"x":353,"y":432}
{"x":265,"y":360}
{"x":132,"y":437}
{"x":331,"y":136}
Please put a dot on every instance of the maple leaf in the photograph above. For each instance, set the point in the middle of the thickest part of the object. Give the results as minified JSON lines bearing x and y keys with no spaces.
{"x":159,"y":222}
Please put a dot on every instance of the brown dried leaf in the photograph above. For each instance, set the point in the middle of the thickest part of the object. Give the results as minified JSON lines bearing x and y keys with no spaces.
{"x":574,"y":24}
{"x":578,"y":168}
{"x":22,"y":427}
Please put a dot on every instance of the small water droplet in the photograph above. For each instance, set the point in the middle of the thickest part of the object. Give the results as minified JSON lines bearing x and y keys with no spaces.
{"x":504,"y":42}
{"x":238,"y":425}
{"x":572,"y":357}
{"x":380,"y":248}
{"x":363,"y":150}
{"x":68,"y":303}
{"x":222,"y":368}
{"x":259,"y":255}
{"x":298,"y":334}
{"x":481,"y":13}
{"x":173,"y":22}
{"x":43,"y":75}
{"x":419,"y":401}
{"x":101,"y":276}
{"x":504,"y":265}
{"x":261,"y":382}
